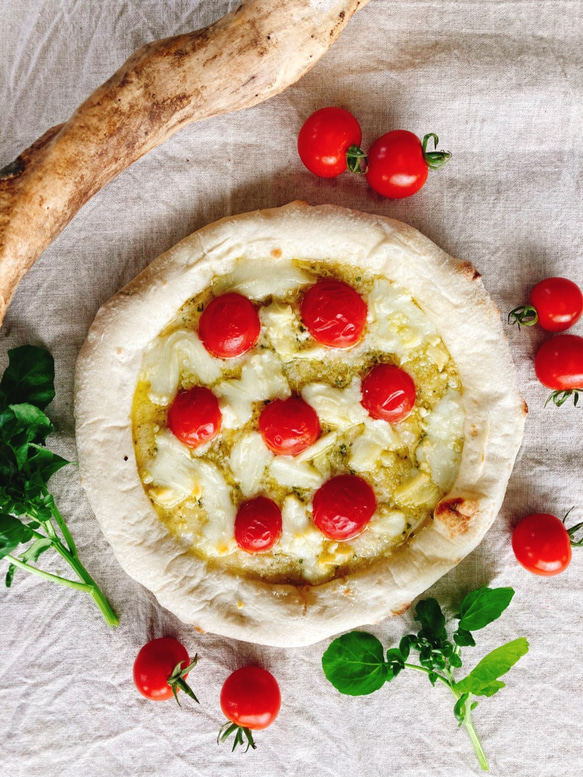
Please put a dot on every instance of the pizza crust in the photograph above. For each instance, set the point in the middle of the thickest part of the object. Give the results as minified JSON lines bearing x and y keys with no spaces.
{"x":451,"y":294}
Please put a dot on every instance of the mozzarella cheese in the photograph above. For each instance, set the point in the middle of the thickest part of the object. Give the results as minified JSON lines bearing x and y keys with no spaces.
{"x":410,"y":465}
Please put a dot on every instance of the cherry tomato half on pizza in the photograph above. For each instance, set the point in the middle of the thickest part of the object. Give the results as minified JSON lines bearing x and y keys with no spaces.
{"x":289,"y":426}
{"x":388,"y":392}
{"x":554,"y":303}
{"x":329,"y":142}
{"x":229,"y":326}
{"x":194,"y":416}
{"x":343,"y":506}
{"x":258,"y":525}
{"x":161,"y":668}
{"x":398,"y":163}
{"x":334,"y":313}
{"x":250,"y":700}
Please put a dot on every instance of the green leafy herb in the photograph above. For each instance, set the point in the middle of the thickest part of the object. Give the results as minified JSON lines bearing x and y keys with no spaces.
{"x":356,"y":663}
{"x":30,"y":522}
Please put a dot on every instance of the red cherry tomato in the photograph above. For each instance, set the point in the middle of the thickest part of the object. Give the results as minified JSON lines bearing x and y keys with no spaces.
{"x":229,"y":326}
{"x":325,"y":139}
{"x":334,"y":313}
{"x":159,"y":669}
{"x":388,"y":393}
{"x":343,"y":506}
{"x":289,"y":426}
{"x":398,"y":163}
{"x":251,"y":698}
{"x":194,"y":416}
{"x":542,"y":544}
{"x":559,"y":363}
{"x":558,"y":303}
{"x":258,"y":525}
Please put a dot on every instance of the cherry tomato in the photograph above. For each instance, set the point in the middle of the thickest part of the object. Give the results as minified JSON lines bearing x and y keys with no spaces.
{"x":161,"y":668}
{"x":194,"y":416}
{"x":250,"y":700}
{"x":558,"y":303}
{"x":325,"y":139}
{"x":334,"y":313}
{"x":542,"y":544}
{"x":258,"y":525}
{"x":229,"y":326}
{"x":398,"y":163}
{"x":388,"y":393}
{"x":289,"y":426}
{"x":559,"y":363}
{"x":343,"y":506}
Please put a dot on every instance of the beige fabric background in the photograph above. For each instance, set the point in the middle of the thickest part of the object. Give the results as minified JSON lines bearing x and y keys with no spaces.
{"x":500,"y":82}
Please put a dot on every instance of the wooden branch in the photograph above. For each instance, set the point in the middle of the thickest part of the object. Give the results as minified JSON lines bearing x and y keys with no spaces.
{"x":251,"y":54}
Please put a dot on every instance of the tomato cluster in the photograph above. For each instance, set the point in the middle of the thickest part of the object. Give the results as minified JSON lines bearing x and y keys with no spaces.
{"x":335,"y":315}
{"x":396,"y":165}
{"x":250,"y":698}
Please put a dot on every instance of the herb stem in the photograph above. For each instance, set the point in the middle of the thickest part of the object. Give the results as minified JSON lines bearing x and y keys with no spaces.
{"x":47,"y":575}
{"x":467,"y":722}
{"x":63,"y":527}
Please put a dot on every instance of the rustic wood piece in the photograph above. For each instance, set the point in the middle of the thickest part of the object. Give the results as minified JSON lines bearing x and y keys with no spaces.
{"x":249,"y":55}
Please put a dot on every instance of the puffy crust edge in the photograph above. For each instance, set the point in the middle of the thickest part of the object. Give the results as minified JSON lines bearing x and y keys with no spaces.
{"x":452,"y":295}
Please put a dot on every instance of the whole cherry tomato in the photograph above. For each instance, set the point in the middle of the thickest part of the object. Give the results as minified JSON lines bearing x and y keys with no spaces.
{"x":388,"y":392}
{"x":250,"y":700}
{"x":229,"y":326}
{"x":258,"y":525}
{"x":328,"y":141}
{"x":398,"y":163}
{"x":559,"y":366}
{"x":194,"y":416}
{"x":289,"y":426}
{"x":343,"y":506}
{"x":334,"y":313}
{"x":161,"y":668}
{"x":555,"y":303}
{"x":542,"y":544}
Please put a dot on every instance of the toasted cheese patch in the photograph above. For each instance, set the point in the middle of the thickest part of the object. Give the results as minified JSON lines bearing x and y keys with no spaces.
{"x":409,"y":465}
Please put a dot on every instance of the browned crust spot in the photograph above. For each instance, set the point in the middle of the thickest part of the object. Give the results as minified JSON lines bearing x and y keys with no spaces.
{"x":401,"y":610}
{"x":468,"y":270}
{"x":276,"y":253}
{"x":456,"y":514}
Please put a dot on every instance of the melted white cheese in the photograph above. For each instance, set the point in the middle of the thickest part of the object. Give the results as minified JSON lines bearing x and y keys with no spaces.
{"x":261,"y":378}
{"x":339,"y":408}
{"x":180,"y":354}
{"x":249,"y":458}
{"x":172,"y":472}
{"x":256,"y":282}
{"x":438,"y":450}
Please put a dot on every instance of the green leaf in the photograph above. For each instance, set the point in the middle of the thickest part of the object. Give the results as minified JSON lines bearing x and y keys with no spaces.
{"x":33,"y":552}
{"x":9,"y":575}
{"x":483,"y":606}
{"x":28,"y":378}
{"x":459,"y":709}
{"x":354,"y":664}
{"x":22,"y":426}
{"x":464,"y":638}
{"x":483,"y":679}
{"x":432,"y":620}
{"x":12,"y":534}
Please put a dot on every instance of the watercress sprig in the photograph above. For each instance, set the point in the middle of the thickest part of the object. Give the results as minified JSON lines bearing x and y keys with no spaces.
{"x":356,"y":663}
{"x":30,"y":522}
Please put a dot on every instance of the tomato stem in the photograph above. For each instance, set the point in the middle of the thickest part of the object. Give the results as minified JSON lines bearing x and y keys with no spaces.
{"x":356,"y":160}
{"x":560,"y":397}
{"x":434,"y":159}
{"x":523,"y":315}
{"x":229,"y":728}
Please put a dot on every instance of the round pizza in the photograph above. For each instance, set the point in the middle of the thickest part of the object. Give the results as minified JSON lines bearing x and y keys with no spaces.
{"x":295,"y":421}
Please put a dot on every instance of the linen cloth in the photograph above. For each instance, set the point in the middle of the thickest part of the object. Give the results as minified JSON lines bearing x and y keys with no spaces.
{"x":500,"y":82}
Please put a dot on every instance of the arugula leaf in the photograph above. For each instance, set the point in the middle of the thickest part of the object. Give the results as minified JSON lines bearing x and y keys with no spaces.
{"x":483,"y":606}
{"x":29,"y":377}
{"x":12,"y":534}
{"x":354,"y":664}
{"x":483,"y":679}
{"x":432,"y":620}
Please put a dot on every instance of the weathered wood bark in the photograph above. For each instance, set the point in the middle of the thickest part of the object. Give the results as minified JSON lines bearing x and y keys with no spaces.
{"x":246,"y":57}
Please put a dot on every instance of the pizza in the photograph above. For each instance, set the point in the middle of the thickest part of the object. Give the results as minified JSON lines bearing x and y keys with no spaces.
{"x":295,"y":421}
